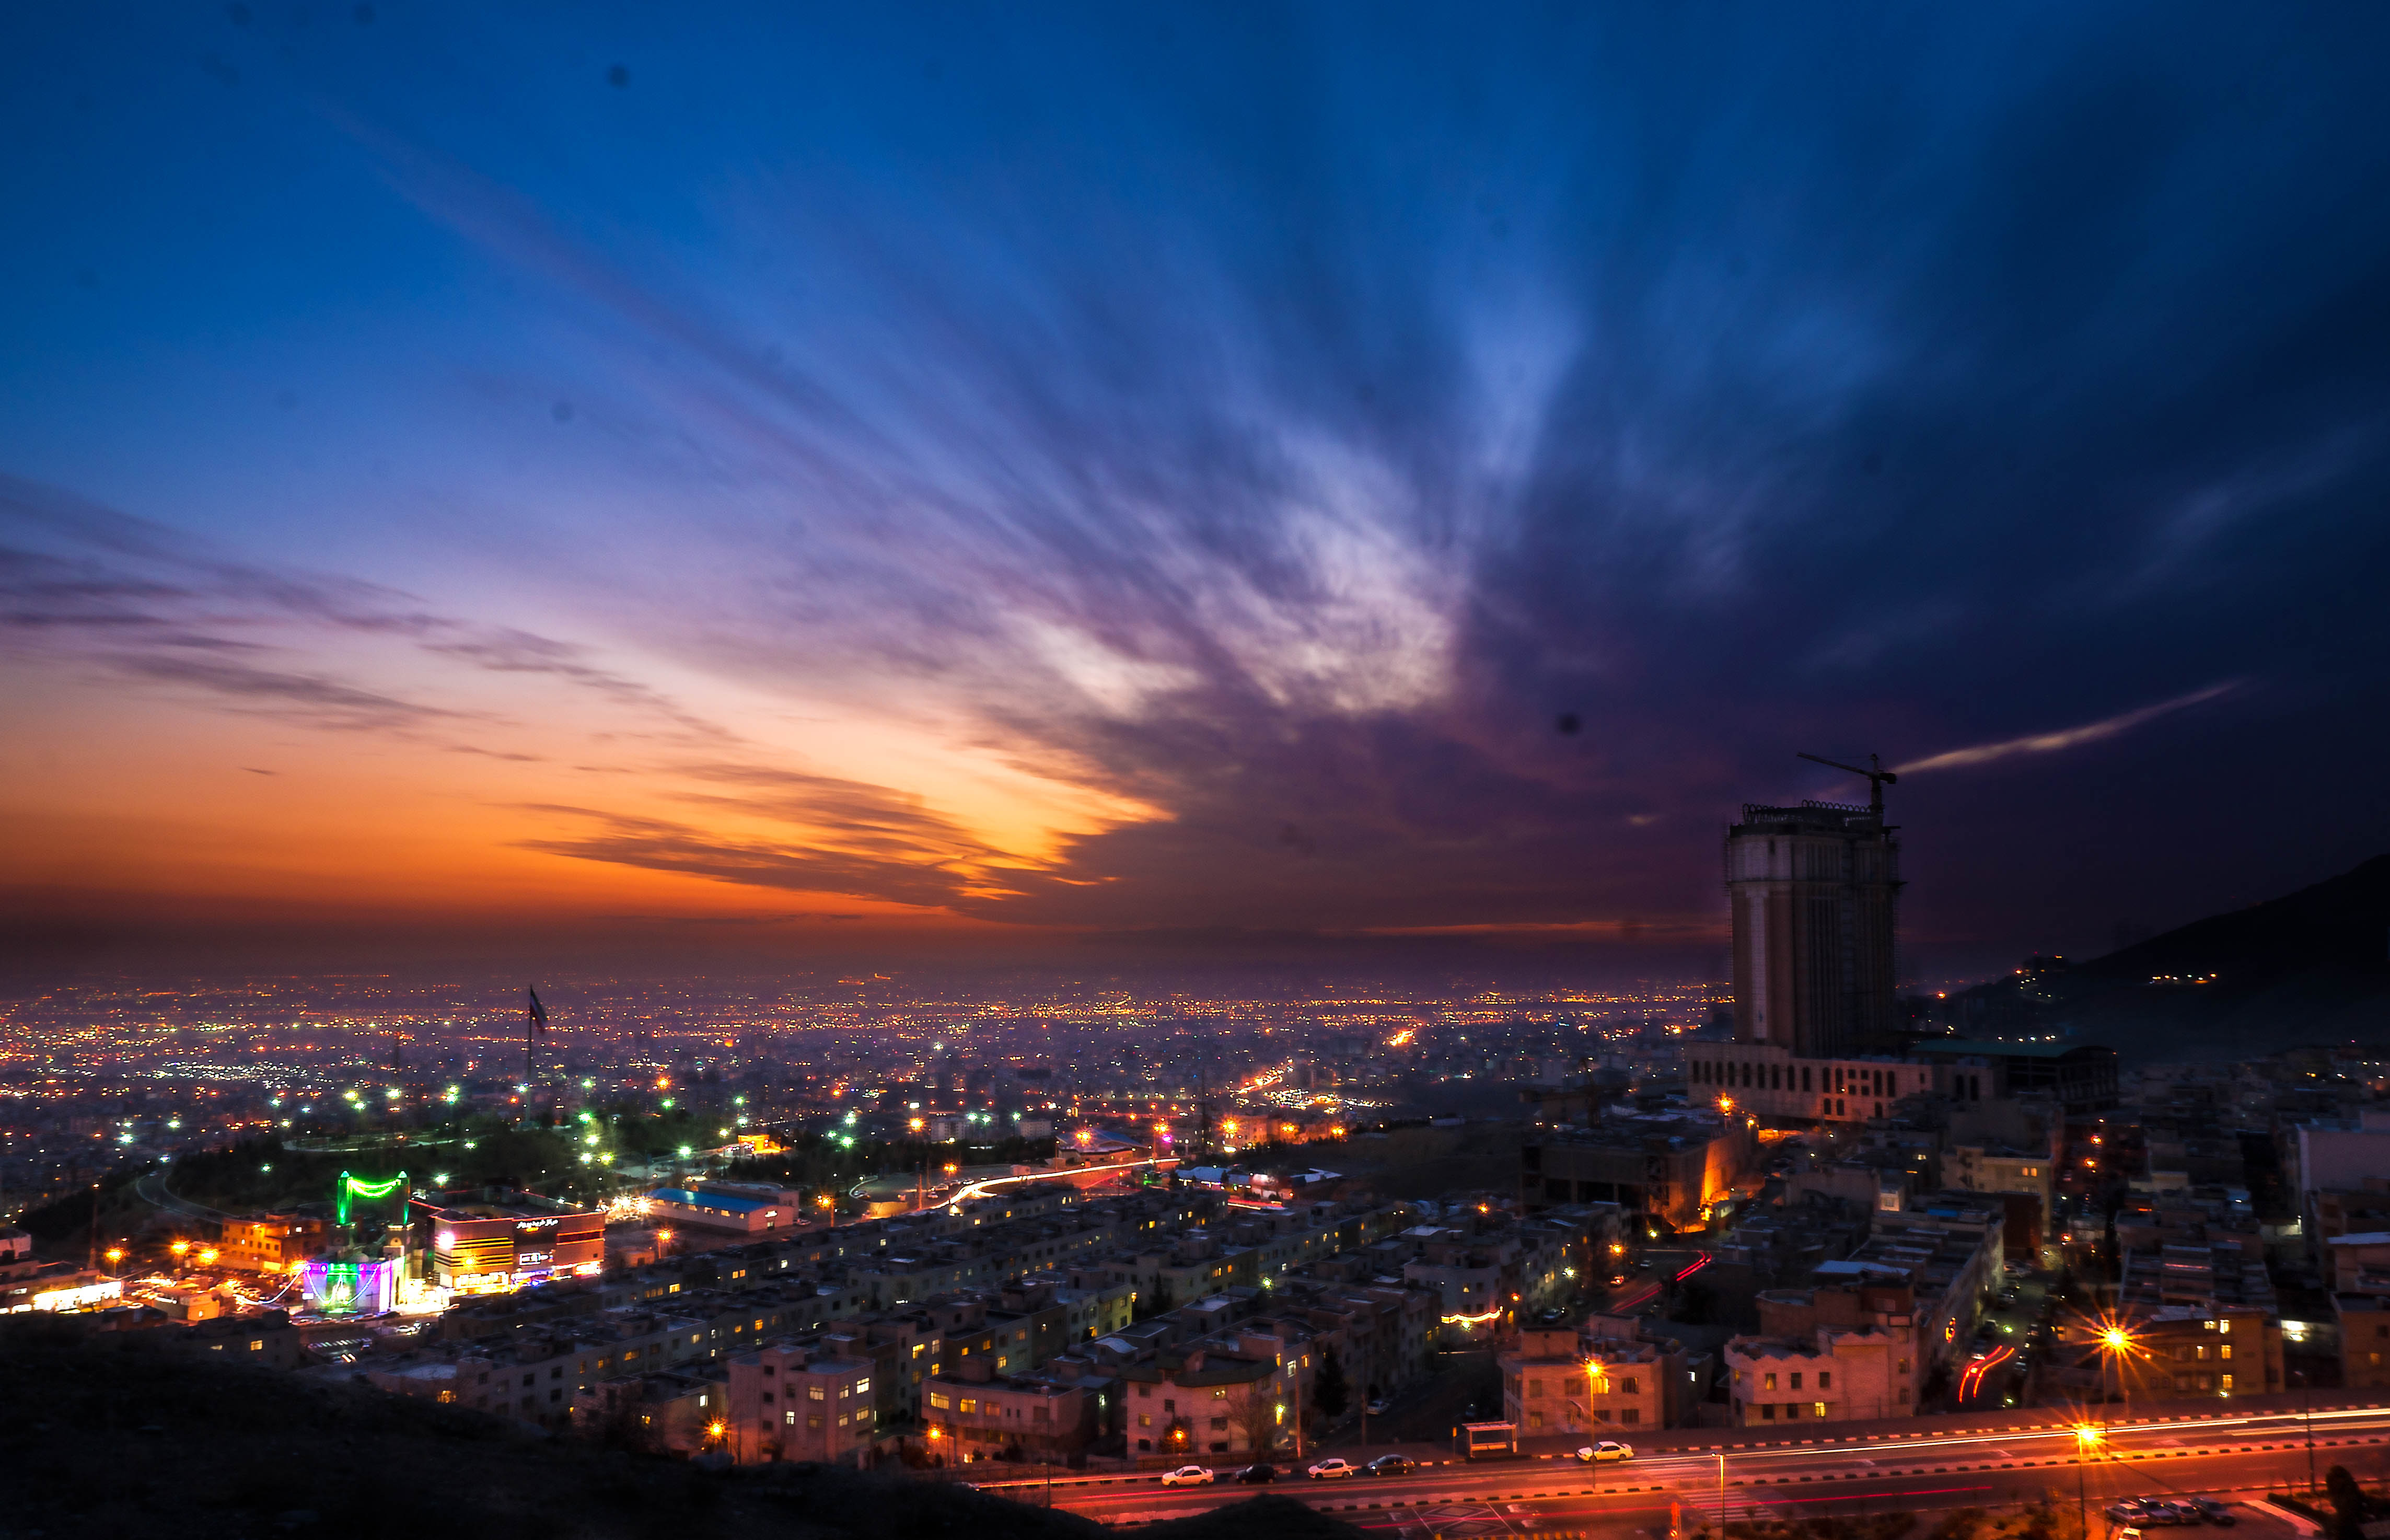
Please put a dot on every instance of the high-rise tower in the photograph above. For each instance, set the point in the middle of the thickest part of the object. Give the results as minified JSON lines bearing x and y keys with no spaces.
{"x":1814,"y":891}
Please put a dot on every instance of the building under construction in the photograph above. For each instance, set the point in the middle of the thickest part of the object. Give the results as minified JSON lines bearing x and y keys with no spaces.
{"x":1814,"y":891}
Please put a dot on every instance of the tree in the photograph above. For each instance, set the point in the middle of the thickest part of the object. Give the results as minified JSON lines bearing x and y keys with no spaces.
{"x":1329,"y":1391}
{"x":2348,"y":1503}
{"x":1253,"y":1412}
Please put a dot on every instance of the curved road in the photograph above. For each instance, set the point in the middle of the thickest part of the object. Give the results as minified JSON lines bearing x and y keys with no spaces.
{"x":1926,"y":1471}
{"x":151,"y":1190}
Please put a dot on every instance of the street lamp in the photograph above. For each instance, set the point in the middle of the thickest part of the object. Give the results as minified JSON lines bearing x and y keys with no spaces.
{"x":115,"y":1254}
{"x":2087,"y":1439}
{"x":2115,"y":1344}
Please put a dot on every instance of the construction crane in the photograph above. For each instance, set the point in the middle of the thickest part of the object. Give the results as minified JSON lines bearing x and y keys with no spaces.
{"x":1877,"y":777}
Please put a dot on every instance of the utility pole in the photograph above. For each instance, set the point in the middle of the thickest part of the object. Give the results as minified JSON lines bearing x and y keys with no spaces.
{"x":2082,"y":1504}
{"x":2306,"y":1415}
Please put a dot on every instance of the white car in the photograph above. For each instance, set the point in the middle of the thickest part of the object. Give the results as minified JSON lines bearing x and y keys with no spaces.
{"x":1186,"y":1475}
{"x":1606,"y":1450}
{"x":1328,"y":1470}
{"x":1377,"y":1408}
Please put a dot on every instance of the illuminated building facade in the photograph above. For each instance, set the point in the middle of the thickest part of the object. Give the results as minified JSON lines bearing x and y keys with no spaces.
{"x":492,"y":1248}
{"x":54,"y":1285}
{"x":348,"y":1288}
{"x":1672,"y":1168}
{"x":271,"y":1242}
{"x":737,"y":1207}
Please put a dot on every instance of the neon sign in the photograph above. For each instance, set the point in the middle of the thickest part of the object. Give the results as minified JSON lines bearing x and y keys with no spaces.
{"x":372,"y":1191}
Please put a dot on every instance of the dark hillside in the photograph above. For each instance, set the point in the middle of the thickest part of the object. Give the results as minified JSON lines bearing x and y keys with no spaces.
{"x":2310,"y":967}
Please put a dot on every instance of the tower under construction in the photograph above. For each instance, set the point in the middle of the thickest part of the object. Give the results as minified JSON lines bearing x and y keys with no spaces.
{"x":1814,"y":891}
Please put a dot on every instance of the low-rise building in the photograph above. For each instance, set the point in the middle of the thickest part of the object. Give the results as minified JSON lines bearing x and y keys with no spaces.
{"x":2172,"y":1352}
{"x":1835,"y":1352}
{"x":271,"y":1242}
{"x":1558,"y":1381}
{"x":786,"y":1402}
{"x":1203,"y":1402}
{"x":2364,"y":1341}
{"x":739,"y":1208}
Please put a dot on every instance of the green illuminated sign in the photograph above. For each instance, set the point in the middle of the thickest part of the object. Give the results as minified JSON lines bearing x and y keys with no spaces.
{"x":351,"y":1188}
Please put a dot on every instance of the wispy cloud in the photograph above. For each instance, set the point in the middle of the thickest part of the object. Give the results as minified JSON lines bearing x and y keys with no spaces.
{"x":321,"y":701}
{"x":136,"y":595}
{"x":2067,"y":738}
{"x":662,"y":845}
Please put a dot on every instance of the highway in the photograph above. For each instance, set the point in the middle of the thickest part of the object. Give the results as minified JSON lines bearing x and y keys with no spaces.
{"x":1926,"y":1469}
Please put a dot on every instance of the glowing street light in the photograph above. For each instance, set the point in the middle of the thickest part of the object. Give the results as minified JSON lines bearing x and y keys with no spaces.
{"x":2087,"y":1441}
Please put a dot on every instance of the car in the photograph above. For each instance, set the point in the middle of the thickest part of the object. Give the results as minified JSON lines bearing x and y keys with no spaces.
{"x":2158,"y":1510}
{"x":1379,"y":1407}
{"x":1392,"y":1464}
{"x":1608,"y":1449}
{"x":1186,"y":1475}
{"x":2126,"y":1512}
{"x":1643,"y":1266}
{"x":2213,"y":1511}
{"x":1617,"y":1280}
{"x":1333,"y":1469}
{"x":1256,"y":1474}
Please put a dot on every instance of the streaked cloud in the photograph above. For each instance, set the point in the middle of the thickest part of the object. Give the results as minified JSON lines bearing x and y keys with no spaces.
{"x":2065,"y":738}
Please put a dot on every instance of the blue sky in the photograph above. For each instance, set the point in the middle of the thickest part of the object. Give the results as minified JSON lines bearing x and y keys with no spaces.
{"x":990,"y":475}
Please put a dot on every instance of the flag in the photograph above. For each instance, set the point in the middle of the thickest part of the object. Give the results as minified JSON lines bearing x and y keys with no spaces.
{"x":537,"y":1016}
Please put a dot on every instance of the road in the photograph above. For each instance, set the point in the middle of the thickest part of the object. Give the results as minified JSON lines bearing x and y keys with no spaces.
{"x":151,"y":1190}
{"x":1925,"y":1470}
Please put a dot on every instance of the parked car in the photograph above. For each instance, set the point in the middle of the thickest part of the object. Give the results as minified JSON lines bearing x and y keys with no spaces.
{"x":2126,"y":1512}
{"x":1643,"y":1266}
{"x":1256,"y":1475}
{"x":1392,"y":1464}
{"x":1333,"y":1469}
{"x":1378,"y":1408}
{"x":1608,"y":1449}
{"x":2214,"y":1512}
{"x":2159,"y":1512}
{"x":1186,"y":1475}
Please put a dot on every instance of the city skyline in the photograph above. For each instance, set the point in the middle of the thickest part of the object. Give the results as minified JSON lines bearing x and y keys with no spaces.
{"x":1326,"y":489}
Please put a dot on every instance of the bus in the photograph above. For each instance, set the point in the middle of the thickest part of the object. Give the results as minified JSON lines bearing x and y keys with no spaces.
{"x":1489,"y":1441}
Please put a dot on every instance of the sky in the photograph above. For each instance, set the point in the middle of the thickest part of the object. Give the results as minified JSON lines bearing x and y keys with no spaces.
{"x":786,"y":482}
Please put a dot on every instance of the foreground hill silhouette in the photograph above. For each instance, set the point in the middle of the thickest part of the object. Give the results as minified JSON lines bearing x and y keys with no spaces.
{"x":2309,"y":967}
{"x":112,"y":1436}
